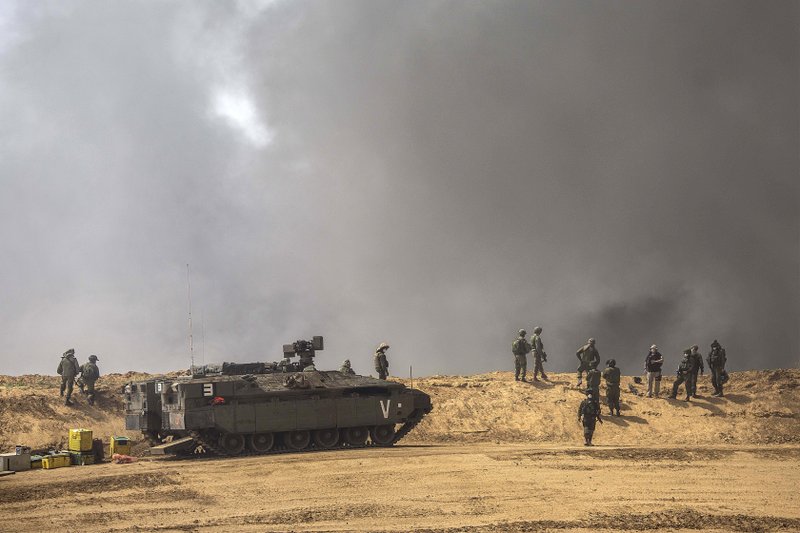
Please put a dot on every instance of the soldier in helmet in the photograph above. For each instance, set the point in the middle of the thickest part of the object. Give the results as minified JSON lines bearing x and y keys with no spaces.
{"x":696,"y":360}
{"x":684,"y":369}
{"x":347,"y":368}
{"x":89,"y":375}
{"x":68,"y":368}
{"x":652,"y":365}
{"x":716,"y":364}
{"x":589,"y":358}
{"x":539,"y":355}
{"x":612,"y":376}
{"x":589,"y":414}
{"x":381,"y":363}
{"x":520,"y":348}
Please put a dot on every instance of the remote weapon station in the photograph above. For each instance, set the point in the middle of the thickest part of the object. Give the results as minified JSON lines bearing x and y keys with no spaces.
{"x":251,"y":408}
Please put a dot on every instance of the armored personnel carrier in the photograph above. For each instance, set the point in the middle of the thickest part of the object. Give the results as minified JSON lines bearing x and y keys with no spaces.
{"x":234,"y":409}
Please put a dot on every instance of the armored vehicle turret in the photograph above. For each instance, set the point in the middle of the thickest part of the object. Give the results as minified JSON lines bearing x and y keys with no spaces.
{"x":234,"y":408}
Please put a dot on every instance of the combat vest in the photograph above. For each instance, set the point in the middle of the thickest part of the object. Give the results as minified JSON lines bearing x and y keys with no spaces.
{"x":90,"y":372}
{"x":716,"y":359}
{"x":612,"y":376}
{"x":520,"y":346}
{"x":589,"y":409}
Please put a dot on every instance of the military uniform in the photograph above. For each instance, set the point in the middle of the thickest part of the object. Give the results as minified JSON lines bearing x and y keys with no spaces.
{"x":589,"y":358}
{"x":652,"y":365}
{"x":347,"y":369}
{"x":381,"y":362}
{"x":68,"y":368}
{"x":589,"y":414}
{"x":520,"y":348}
{"x":539,"y":354}
{"x":696,"y":360}
{"x":716,"y":364}
{"x":684,"y":370}
{"x":593,"y":377}
{"x":89,"y":375}
{"x":612,"y":376}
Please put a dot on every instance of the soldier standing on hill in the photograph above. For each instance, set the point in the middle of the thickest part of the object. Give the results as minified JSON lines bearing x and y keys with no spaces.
{"x":539,"y":354}
{"x":716,"y":364}
{"x":68,"y":368}
{"x":520,"y":348}
{"x":589,"y":414}
{"x":612,"y":376}
{"x":652,"y":364}
{"x":684,"y":369}
{"x":89,"y":375}
{"x":589,"y":358}
{"x":696,"y":360}
{"x":381,"y":362}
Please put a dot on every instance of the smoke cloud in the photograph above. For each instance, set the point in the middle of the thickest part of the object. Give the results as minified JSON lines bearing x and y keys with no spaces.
{"x":432,"y":174}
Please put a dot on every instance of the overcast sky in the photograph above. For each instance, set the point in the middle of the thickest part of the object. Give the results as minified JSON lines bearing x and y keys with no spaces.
{"x":432,"y":174}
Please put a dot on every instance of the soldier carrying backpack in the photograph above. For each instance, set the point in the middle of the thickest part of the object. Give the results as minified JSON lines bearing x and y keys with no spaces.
{"x":521,"y":348}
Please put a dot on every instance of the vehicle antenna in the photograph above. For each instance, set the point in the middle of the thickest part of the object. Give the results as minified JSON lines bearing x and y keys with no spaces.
{"x":191,"y":344}
{"x":203,"y":333}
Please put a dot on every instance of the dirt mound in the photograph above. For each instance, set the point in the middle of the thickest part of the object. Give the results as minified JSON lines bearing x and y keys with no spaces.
{"x":760,"y":407}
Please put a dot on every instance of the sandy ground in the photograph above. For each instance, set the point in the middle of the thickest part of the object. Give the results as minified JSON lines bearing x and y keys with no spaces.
{"x":441,"y":488}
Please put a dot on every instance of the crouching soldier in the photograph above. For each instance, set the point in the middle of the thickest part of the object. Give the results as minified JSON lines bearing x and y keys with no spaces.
{"x":68,"y":368}
{"x":612,"y":376}
{"x":589,"y":414}
{"x":89,"y":375}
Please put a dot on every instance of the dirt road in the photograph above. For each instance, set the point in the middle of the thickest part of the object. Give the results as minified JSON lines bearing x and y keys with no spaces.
{"x":435,"y":488}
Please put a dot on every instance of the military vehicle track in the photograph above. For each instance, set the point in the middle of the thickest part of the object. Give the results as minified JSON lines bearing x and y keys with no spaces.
{"x":210,"y":448}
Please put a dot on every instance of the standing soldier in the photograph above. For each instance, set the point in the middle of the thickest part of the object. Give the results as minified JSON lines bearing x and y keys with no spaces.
{"x":716,"y":364}
{"x":89,"y":375}
{"x":696,"y":359}
{"x":589,"y":414}
{"x":684,"y":369}
{"x":381,"y":363}
{"x":612,"y":376}
{"x":652,"y":365}
{"x":347,"y":368}
{"x":593,"y":377}
{"x":589,"y":358}
{"x":539,"y":355}
{"x":520,"y":348}
{"x":68,"y":368}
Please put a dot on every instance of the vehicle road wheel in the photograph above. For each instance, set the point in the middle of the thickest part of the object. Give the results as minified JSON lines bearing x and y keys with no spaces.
{"x":232,"y":443}
{"x":261,"y":442}
{"x":297,"y":440}
{"x":326,"y":438}
{"x":356,"y":436}
{"x":382,"y":435}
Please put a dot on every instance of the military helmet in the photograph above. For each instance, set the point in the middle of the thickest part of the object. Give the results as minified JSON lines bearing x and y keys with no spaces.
{"x":522,"y":333}
{"x":611,"y":362}
{"x":654,"y":347}
{"x":715,"y":344}
{"x":537,"y":329}
{"x":695,"y":347}
{"x":71,"y":351}
{"x":382,"y":346}
{"x":93,"y":358}
{"x":591,"y":340}
{"x":347,"y":362}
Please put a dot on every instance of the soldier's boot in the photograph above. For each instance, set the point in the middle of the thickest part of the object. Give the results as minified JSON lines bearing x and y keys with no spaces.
{"x":67,"y":401}
{"x":90,"y":400}
{"x":61,"y":392}
{"x":523,"y":377}
{"x":544,"y":376}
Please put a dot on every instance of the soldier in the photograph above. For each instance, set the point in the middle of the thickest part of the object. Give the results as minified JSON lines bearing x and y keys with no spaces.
{"x":612,"y":376}
{"x":381,"y":363}
{"x":589,"y":414}
{"x":652,"y":365}
{"x":593,"y":377}
{"x":346,"y":368}
{"x":684,"y":369}
{"x":696,"y":359}
{"x":539,"y":355}
{"x":68,"y":368}
{"x":716,"y":364}
{"x":520,"y":348}
{"x":89,"y":375}
{"x":589,"y":358}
